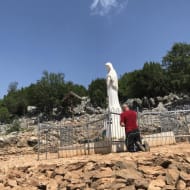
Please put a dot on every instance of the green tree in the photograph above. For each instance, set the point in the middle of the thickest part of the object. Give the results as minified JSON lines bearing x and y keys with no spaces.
{"x":177,"y":65}
{"x":12,"y":87}
{"x":78,"y":89}
{"x":97,"y":92}
{"x":127,"y":85}
{"x":15,"y":102}
{"x":155,"y":79}
{"x":150,"y":81}
{"x":47,"y":92}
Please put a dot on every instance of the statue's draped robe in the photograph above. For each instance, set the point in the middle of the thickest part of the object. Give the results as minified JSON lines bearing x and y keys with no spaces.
{"x":116,"y":131}
{"x":112,"y":91}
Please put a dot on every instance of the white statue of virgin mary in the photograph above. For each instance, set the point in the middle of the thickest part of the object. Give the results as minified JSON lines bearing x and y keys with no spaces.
{"x":112,"y":88}
{"x":116,"y":131}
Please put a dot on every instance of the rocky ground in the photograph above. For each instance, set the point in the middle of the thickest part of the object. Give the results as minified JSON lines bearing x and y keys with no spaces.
{"x":166,"y":167}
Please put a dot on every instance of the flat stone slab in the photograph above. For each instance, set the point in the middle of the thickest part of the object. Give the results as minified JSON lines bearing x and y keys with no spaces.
{"x":157,"y":139}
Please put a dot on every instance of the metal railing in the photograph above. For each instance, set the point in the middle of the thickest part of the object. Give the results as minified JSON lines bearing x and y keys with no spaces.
{"x":177,"y":121}
{"x":165,"y":126}
{"x":68,"y":141}
{"x":104,"y":134}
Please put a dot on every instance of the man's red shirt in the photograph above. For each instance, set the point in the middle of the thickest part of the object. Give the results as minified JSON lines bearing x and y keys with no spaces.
{"x":129,"y":118}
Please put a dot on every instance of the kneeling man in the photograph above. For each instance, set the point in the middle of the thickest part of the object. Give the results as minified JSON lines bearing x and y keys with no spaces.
{"x":128,"y":119}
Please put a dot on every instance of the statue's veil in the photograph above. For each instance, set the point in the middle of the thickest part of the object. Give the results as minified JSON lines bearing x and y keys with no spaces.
{"x":113,"y":75}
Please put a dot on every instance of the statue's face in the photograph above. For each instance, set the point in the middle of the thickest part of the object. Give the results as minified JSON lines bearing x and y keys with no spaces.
{"x":108,"y":68}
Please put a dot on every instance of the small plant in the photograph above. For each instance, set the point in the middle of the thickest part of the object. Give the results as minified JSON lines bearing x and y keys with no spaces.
{"x":14,"y":127}
{"x":4,"y":115}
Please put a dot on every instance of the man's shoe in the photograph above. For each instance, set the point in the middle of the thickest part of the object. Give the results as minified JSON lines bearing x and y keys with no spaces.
{"x":146,"y":146}
{"x":141,"y":147}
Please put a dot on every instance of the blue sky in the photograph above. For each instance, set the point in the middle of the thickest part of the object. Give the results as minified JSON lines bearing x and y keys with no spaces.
{"x":77,"y":37}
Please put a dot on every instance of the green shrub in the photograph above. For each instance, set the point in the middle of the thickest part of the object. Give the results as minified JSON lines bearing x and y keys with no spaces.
{"x":4,"y":115}
{"x":14,"y":127}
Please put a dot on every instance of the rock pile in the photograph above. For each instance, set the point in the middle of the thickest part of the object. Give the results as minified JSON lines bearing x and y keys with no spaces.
{"x":171,"y":101}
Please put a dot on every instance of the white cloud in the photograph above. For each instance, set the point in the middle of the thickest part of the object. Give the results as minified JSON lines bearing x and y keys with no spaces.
{"x":103,"y":7}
